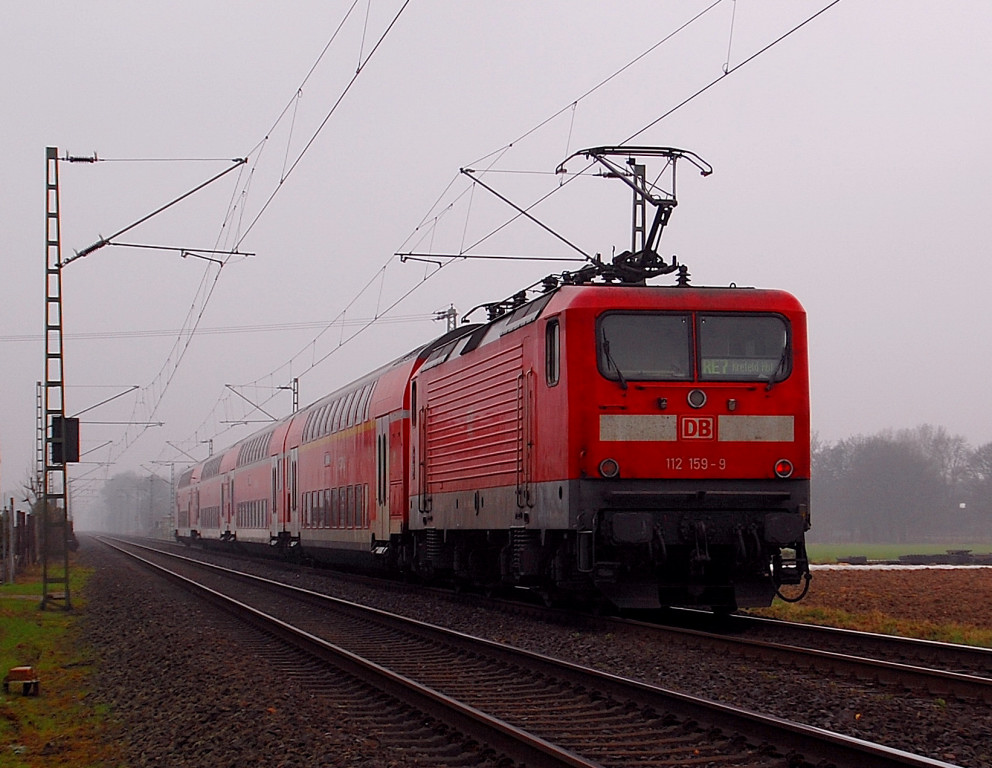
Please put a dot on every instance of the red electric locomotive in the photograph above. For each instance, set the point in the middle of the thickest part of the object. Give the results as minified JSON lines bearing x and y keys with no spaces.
{"x":650,"y":441}
{"x":646,"y":444}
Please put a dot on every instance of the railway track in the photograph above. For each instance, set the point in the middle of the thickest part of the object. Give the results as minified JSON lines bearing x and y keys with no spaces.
{"x":399,"y":715}
{"x":905,"y":664}
{"x":937,"y":669}
{"x":571,"y":714}
{"x":970,"y":666}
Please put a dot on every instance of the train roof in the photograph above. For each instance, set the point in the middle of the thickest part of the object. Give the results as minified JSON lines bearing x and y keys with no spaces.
{"x":260,"y":444}
{"x":599,"y":295}
{"x":721,"y":298}
{"x":465,"y":338}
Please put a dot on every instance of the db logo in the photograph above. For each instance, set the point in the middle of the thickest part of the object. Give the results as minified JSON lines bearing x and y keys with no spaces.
{"x":697,"y":428}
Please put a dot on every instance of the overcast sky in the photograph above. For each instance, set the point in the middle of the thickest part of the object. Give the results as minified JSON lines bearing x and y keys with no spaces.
{"x":851,"y":168}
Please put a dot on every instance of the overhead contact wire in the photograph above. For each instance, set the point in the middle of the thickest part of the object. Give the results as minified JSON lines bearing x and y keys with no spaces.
{"x":313,"y":68}
{"x":257,"y":149}
{"x":323,"y":123}
{"x":572,"y":105}
{"x":730,"y":71}
{"x":603,"y":82}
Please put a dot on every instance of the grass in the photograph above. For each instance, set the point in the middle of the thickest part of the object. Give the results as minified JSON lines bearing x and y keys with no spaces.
{"x":877,"y":621}
{"x":62,"y":727}
{"x":59,"y":726}
{"x":22,"y":587}
{"x":829,"y":553}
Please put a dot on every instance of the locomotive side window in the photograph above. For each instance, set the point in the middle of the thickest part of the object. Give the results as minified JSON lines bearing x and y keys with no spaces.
{"x":644,"y":346}
{"x":743,"y":348}
{"x":552,"y":352}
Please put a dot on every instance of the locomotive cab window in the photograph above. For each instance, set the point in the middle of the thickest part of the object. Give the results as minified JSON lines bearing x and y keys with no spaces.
{"x":644,"y":346}
{"x":552,"y":352}
{"x":744,"y":348}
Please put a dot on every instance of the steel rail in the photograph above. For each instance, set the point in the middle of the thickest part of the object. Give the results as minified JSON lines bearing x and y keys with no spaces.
{"x":913,"y":676}
{"x":939,"y":682}
{"x":970,"y":656}
{"x":514,"y":742}
{"x":811,"y":742}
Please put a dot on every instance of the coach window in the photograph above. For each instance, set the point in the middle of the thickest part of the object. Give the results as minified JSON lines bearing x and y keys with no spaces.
{"x":346,"y":402}
{"x":363,"y":405}
{"x":325,"y":413}
{"x":552,"y":352}
{"x":336,"y":425}
{"x":353,"y":401}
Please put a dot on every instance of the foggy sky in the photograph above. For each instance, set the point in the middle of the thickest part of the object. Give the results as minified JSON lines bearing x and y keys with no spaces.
{"x":852,"y":168}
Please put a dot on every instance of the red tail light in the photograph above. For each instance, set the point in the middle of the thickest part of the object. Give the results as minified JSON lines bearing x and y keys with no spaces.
{"x":783,"y":468}
{"x":609,"y":468}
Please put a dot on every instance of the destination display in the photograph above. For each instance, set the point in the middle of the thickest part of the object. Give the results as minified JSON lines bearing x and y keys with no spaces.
{"x":733,"y":367}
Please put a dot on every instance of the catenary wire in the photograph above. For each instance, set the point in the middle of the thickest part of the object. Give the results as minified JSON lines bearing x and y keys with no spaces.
{"x":503,"y":149}
{"x":165,"y":332}
{"x":185,"y":336}
{"x":323,"y":122}
{"x":494,"y":157}
{"x":730,"y":71}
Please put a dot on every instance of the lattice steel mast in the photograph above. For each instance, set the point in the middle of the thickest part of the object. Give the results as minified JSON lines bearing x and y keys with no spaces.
{"x":54,"y":490}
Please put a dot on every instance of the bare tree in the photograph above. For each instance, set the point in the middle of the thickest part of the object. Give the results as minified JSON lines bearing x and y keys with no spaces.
{"x":888,"y":487}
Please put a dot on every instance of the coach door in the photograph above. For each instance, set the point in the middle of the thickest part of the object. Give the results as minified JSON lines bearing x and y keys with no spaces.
{"x":292,"y":514}
{"x":380,"y":527}
{"x":226,"y":489}
{"x":275,"y":494}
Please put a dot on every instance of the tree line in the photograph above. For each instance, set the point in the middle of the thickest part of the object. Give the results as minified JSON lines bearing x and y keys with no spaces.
{"x":909,"y":485}
{"x":896,"y":486}
{"x":135,"y":504}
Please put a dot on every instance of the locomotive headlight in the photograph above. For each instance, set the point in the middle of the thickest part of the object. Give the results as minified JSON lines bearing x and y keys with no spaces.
{"x":696,"y":398}
{"x":783,"y":468}
{"x":609,"y":468}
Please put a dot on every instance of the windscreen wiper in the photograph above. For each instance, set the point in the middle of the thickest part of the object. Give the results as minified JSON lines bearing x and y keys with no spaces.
{"x":611,"y":361}
{"x":773,"y":377}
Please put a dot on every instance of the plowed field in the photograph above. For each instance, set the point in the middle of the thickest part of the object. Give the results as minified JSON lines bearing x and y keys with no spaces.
{"x":945,"y":604}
